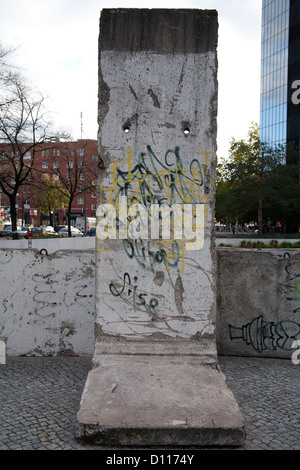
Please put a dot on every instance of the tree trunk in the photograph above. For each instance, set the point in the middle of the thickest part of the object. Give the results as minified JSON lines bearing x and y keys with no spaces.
{"x":260,"y":216}
{"x":13,"y":215}
{"x":69,"y":217}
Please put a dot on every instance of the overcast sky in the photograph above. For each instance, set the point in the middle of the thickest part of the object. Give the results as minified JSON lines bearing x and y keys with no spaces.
{"x":57,"y":44}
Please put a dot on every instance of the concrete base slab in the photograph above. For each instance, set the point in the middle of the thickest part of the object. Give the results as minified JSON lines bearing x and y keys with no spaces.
{"x":136,"y":400}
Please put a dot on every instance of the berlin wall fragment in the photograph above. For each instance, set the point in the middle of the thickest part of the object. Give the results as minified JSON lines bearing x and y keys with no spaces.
{"x":157,"y":140}
{"x":156,"y":263}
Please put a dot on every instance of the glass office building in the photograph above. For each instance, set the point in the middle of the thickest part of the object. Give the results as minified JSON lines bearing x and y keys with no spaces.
{"x":280,"y":69}
{"x":274,"y":71}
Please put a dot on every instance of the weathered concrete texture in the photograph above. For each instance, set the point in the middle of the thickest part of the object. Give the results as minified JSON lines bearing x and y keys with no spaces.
{"x":258,"y":302}
{"x":156,"y":379}
{"x":47,"y":302}
{"x":266,"y":287}
{"x":160,"y":400}
{"x":158,"y":30}
{"x":146,"y":288}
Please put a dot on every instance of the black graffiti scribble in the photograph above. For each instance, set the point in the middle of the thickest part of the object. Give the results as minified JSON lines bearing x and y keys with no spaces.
{"x":262,"y":335}
{"x":168,"y":175}
{"x":148,"y":258}
{"x":129,"y":290}
{"x":292,"y":286}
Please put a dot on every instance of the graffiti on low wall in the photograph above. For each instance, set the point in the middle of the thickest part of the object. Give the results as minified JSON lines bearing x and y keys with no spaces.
{"x":292,"y":286}
{"x":262,"y":335}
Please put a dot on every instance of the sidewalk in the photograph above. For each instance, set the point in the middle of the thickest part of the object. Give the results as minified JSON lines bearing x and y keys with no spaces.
{"x":40,"y":398}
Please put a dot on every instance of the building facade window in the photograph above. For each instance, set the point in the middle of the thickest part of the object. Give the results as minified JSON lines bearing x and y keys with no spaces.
{"x":80,"y":201}
{"x":280,"y":73}
{"x":44,"y":165}
{"x":55,"y":164}
{"x":274,"y":71}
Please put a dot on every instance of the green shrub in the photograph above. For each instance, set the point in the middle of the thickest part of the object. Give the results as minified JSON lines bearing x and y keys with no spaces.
{"x":286,"y":245}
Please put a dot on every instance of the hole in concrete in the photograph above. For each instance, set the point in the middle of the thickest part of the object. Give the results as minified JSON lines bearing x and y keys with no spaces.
{"x":126,"y":126}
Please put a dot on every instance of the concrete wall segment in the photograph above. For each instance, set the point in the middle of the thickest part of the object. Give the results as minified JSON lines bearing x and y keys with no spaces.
{"x":258,"y":303}
{"x":158,"y":30}
{"x":154,"y":89}
{"x":47,"y":302}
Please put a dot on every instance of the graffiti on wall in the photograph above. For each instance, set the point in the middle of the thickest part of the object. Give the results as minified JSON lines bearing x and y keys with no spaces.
{"x":50,"y":296}
{"x":262,"y":335}
{"x":129,"y":290}
{"x":165,"y":181}
{"x":292,"y":286}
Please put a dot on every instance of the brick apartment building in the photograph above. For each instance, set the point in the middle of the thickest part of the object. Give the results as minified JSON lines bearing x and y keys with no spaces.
{"x":75,"y":163}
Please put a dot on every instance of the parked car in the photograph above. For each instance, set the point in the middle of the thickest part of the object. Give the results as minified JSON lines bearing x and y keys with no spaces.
{"x":74,"y":232}
{"x":48,"y":230}
{"x":34,"y":232}
{"x":6,"y":232}
{"x":57,"y":228}
{"x":91,"y":232}
{"x":21,"y":232}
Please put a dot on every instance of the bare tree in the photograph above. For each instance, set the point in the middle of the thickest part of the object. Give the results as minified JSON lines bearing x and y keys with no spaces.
{"x":76,"y":172}
{"x":23,"y":127}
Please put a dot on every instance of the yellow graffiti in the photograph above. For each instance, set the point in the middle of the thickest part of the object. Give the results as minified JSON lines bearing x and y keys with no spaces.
{"x":168,"y":183}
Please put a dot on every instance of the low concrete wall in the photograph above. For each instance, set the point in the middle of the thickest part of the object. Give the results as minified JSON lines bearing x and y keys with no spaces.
{"x":258,"y":302}
{"x":49,"y":244}
{"x":47,"y":300}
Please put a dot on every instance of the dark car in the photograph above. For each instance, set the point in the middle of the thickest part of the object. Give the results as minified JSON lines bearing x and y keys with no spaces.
{"x":92,"y":232}
{"x":57,"y":228}
{"x":7,"y":232}
{"x":34,"y":232}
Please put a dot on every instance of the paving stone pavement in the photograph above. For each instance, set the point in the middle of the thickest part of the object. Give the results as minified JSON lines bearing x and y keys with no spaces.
{"x":40,"y":397}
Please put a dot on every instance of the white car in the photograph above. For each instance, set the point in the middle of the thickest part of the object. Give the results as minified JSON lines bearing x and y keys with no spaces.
{"x":48,"y":230}
{"x":74,"y":232}
{"x":21,"y":231}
